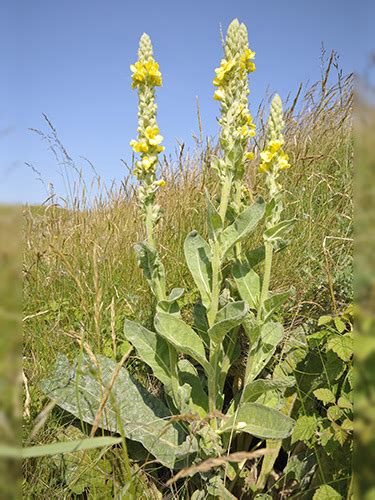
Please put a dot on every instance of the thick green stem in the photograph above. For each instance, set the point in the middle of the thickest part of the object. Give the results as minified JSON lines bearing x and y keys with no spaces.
{"x":160,"y":295}
{"x":266,"y":278}
{"x":213,"y":378}
{"x":237,"y":202}
{"x":150,"y":226}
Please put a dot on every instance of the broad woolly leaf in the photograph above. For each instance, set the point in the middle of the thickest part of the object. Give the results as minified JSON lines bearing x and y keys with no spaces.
{"x":248,"y":283}
{"x":144,"y":417}
{"x":181,"y":336}
{"x":259,"y":387}
{"x":259,"y":421}
{"x":242,"y":226}
{"x":214,"y":220}
{"x":279,"y":231}
{"x":271,"y":334}
{"x":188,"y":374}
{"x":152,"y":349}
{"x":275,"y":302}
{"x":170,"y":305}
{"x":324,"y":395}
{"x":227,"y":318}
{"x":198,"y":259}
{"x":306,"y":427}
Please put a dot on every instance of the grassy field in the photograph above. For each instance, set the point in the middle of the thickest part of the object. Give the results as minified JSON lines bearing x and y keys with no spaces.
{"x":81,"y":276}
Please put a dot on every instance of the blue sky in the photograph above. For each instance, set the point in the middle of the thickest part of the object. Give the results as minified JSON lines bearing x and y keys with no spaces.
{"x":70,"y":59}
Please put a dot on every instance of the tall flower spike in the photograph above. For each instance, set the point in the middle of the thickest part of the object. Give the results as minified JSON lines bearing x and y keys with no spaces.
{"x":146,"y":76}
{"x":273,"y":157}
{"x":236,"y":122}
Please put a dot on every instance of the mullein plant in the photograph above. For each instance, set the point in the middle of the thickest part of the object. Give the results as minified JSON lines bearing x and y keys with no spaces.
{"x":198,"y":418}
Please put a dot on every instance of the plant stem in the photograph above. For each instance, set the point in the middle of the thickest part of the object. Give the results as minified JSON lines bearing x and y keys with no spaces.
{"x":150,"y":227}
{"x":160,"y":295}
{"x":211,"y":316}
{"x":266,"y":278}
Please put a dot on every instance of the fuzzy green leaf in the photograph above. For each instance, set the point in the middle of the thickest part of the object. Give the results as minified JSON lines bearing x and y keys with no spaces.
{"x":242,"y":226}
{"x":143,"y":416}
{"x":260,"y":421}
{"x":270,"y":335}
{"x":198,"y":259}
{"x":188,"y":374}
{"x":152,"y":349}
{"x":227,"y":318}
{"x":275,"y":302}
{"x":181,"y":336}
{"x":153,"y":269}
{"x":170,"y":305}
{"x":259,"y":387}
{"x":279,"y":231}
{"x":248,"y":283}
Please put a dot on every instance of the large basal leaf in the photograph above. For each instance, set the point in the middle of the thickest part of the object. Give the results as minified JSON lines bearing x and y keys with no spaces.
{"x":198,"y":259}
{"x":181,"y":336}
{"x":152,"y":349}
{"x":227,"y":318}
{"x":259,"y":421}
{"x":270,"y":335}
{"x":242,"y":226}
{"x":248,"y":283}
{"x":143,"y":417}
{"x":198,"y":400}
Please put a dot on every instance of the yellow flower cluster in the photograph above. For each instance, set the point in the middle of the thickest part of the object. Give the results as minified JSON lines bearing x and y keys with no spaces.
{"x":146,"y":71}
{"x":246,"y":60}
{"x":273,"y":157}
{"x":243,"y":63}
{"x":247,"y":130}
{"x":149,"y":146}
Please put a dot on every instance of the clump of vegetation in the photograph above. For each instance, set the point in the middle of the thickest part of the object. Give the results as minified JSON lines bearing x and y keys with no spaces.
{"x":212,"y":403}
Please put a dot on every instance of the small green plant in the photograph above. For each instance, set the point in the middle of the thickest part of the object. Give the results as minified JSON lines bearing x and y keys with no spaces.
{"x":324,"y":409}
{"x":199,"y":418}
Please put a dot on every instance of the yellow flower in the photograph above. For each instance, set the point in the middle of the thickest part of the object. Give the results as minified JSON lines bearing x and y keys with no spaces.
{"x":139,"y":146}
{"x":152,"y":68}
{"x":160,"y":183}
{"x":153,"y":135}
{"x":146,"y":70}
{"x":249,"y":155}
{"x":275,"y":145}
{"x":139,"y":73}
{"x":148,"y":161}
{"x":283,"y":161}
{"x":219,"y":94}
{"x":264,"y":167}
{"x":246,"y":60}
{"x":221,"y":73}
{"x":267,"y":156}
